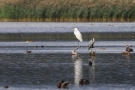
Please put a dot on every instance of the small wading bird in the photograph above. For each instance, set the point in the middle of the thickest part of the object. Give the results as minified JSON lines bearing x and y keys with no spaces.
{"x":63,"y":84}
{"x":79,"y":37}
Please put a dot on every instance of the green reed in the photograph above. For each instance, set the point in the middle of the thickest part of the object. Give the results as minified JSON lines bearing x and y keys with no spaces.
{"x":97,"y":13}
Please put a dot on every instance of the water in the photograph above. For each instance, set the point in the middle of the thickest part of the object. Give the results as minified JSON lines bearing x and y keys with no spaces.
{"x":46,"y":66}
{"x":33,"y":27}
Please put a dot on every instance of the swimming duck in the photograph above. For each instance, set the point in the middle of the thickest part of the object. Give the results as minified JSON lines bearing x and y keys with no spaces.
{"x":128,"y":49}
{"x":63,"y":84}
{"x":42,"y":46}
{"x":27,"y":51}
{"x":5,"y":87}
{"x":83,"y":82}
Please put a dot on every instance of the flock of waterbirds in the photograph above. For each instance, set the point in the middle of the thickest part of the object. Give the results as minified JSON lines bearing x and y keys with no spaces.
{"x":64,"y":84}
{"x":78,"y":35}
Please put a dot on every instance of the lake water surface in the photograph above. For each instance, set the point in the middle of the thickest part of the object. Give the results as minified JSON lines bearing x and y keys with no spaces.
{"x":51,"y":60}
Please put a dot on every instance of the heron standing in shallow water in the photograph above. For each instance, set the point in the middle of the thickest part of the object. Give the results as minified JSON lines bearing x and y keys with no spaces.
{"x":91,"y":45}
{"x":79,"y":37}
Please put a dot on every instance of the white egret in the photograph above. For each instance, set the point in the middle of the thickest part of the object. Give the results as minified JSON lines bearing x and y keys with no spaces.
{"x":79,"y":37}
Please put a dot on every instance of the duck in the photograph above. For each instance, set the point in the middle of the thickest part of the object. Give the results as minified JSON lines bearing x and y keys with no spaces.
{"x":128,"y":49}
{"x":84,"y":81}
{"x":5,"y":87}
{"x":27,"y":51}
{"x":63,"y":84}
{"x":42,"y":46}
{"x":36,"y":46}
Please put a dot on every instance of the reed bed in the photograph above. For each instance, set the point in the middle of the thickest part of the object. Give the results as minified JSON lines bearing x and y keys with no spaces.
{"x":68,"y":11}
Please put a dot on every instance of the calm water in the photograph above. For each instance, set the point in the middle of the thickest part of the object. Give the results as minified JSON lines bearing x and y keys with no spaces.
{"x":64,"y":27}
{"x":46,"y":66}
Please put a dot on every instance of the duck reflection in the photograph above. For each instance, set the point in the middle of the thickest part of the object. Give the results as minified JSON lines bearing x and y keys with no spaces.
{"x":92,"y":69}
{"x":78,"y":69}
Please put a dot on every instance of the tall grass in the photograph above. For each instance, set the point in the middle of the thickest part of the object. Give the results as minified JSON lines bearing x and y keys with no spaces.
{"x":79,"y":10}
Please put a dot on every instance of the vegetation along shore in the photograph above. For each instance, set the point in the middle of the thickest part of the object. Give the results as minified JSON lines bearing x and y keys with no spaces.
{"x":67,"y":10}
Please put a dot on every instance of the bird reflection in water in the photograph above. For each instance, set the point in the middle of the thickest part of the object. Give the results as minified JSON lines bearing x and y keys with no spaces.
{"x":78,"y":69}
{"x":91,"y":63}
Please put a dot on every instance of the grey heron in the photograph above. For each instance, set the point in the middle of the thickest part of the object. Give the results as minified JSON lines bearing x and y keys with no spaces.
{"x":91,"y":43}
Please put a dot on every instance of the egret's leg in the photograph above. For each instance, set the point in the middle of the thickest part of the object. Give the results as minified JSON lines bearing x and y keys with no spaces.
{"x":76,"y":48}
{"x":73,"y":52}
